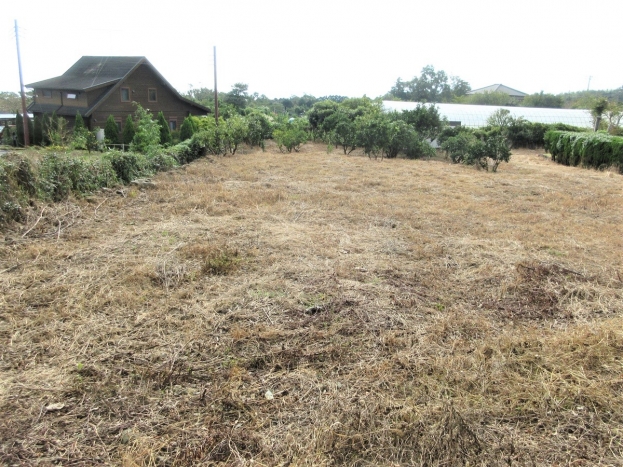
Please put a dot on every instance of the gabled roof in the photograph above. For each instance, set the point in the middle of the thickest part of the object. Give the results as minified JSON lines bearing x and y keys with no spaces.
{"x":91,"y":73}
{"x":498,"y":88}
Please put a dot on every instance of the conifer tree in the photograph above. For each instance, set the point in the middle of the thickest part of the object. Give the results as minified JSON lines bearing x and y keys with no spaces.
{"x":38,"y":132}
{"x":19,"y":128}
{"x":111,"y":131}
{"x":128,"y":130}
{"x":165,"y":131}
{"x":187,"y":129}
{"x":79,"y":124}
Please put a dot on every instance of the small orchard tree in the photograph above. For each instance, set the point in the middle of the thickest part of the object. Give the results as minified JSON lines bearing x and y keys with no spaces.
{"x":147,"y":132}
{"x":128,"y":130}
{"x":234,"y":132}
{"x":165,"y":131}
{"x":291,"y":136}
{"x":111,"y":130}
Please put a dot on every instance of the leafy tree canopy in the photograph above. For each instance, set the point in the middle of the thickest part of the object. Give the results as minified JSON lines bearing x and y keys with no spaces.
{"x":541,"y":99}
{"x":430,"y":86}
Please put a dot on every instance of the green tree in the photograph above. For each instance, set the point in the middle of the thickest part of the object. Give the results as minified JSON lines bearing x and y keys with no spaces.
{"x":111,"y":131}
{"x":79,"y":123}
{"x":19,"y":129}
{"x":424,"y":119}
{"x":541,"y":99}
{"x":38,"y":131}
{"x":501,"y":118}
{"x":187,"y":129}
{"x":430,"y":86}
{"x":128,"y":130}
{"x":147,"y":132}
{"x":238,"y":96}
{"x":10,"y":102}
{"x":614,"y":115}
{"x":203,"y":96}
{"x":598,"y":108}
{"x":318,"y":113}
{"x":165,"y":131}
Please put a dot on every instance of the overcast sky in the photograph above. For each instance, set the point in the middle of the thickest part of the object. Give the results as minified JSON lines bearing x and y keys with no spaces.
{"x":321,"y":47}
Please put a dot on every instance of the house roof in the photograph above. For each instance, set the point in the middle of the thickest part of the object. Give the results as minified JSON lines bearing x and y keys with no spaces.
{"x":498,"y":88}
{"x":91,"y":72}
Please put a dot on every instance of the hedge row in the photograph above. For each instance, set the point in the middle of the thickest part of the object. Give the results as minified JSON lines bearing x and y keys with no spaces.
{"x":597,"y":150}
{"x":56,"y":176}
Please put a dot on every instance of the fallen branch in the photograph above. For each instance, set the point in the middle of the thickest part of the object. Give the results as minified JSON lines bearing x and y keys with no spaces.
{"x":35,"y":224}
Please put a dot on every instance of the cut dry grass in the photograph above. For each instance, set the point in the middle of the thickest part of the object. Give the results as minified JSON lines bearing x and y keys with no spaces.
{"x":319,"y":309}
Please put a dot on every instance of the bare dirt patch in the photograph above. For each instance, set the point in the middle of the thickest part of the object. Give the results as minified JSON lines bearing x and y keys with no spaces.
{"x":319,"y":309}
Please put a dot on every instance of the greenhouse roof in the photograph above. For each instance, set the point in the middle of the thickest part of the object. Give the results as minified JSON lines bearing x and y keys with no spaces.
{"x":476,"y":115}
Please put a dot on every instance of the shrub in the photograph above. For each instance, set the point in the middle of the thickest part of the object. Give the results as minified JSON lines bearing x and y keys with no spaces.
{"x":597,"y":150}
{"x":17,"y":183}
{"x":129,"y":166}
{"x":61,"y":174}
{"x":485,"y":153}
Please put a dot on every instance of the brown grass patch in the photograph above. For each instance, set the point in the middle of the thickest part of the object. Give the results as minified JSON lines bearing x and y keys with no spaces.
{"x":319,"y":309}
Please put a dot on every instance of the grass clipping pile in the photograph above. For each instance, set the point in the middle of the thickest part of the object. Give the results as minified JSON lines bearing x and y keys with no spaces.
{"x":319,"y":309}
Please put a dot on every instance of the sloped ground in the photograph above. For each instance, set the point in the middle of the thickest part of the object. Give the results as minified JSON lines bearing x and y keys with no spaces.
{"x":319,"y":309}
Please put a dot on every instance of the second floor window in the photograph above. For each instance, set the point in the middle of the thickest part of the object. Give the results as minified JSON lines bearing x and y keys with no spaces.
{"x":47,"y":93}
{"x":152,"y":95}
{"x":125,"y":94}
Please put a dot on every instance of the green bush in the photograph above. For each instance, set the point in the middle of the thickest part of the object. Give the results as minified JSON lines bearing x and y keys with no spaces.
{"x":596,"y":150}
{"x":17,"y":183}
{"x":61,"y":175}
{"x":129,"y":166}
{"x":487,"y":152}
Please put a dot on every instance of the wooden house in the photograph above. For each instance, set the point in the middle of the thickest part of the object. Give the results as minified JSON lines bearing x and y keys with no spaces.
{"x":97,"y":87}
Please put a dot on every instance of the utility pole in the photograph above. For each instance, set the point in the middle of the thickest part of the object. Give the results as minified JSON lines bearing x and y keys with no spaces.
{"x":215,"y":90}
{"x":589,"y":83}
{"x":21,"y":87}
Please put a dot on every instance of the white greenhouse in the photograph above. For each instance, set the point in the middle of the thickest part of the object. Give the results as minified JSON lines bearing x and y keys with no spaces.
{"x":475,"y":116}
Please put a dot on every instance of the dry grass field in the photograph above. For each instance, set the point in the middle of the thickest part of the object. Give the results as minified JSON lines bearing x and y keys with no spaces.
{"x":319,"y":309}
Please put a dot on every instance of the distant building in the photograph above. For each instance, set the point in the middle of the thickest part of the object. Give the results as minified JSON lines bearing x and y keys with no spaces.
{"x":97,"y":87}
{"x":517,"y":95}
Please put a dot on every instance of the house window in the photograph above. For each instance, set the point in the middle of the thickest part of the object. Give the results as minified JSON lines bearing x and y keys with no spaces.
{"x":125,"y":94}
{"x":173,"y":124}
{"x":118,"y":122}
{"x":152,"y":95}
{"x":47,"y":93}
{"x":71,"y":96}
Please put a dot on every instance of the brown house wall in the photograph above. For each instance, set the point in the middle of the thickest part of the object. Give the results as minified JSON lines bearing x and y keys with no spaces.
{"x":60,"y":98}
{"x":139,"y":82}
